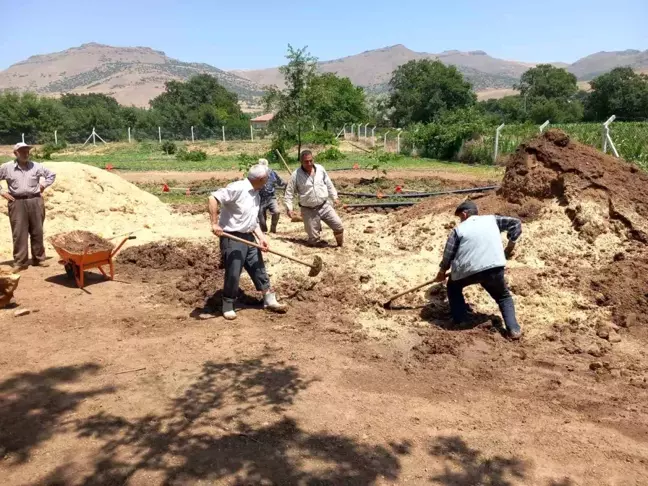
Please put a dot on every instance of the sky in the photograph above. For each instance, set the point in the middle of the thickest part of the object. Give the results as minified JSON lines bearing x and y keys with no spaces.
{"x":254,"y":34}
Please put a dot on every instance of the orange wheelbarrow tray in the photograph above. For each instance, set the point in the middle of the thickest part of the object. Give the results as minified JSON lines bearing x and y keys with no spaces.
{"x":77,"y":263}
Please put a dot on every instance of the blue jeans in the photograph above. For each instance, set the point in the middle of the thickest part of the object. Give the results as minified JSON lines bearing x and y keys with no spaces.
{"x":238,"y":256}
{"x":493,"y":282}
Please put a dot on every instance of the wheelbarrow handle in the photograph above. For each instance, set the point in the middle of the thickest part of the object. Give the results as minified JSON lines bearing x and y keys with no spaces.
{"x":114,"y":252}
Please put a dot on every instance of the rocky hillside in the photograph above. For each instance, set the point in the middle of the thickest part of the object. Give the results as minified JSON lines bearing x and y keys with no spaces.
{"x":591,"y":66}
{"x":133,"y":75}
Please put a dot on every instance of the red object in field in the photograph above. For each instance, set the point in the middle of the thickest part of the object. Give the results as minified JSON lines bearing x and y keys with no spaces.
{"x":109,"y":167}
{"x":188,"y":193}
{"x":356,"y":166}
{"x":398,"y":189}
{"x":165,"y":188}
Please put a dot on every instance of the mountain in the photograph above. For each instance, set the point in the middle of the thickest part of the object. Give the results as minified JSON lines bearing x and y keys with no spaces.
{"x":133,"y":75}
{"x":591,"y":66}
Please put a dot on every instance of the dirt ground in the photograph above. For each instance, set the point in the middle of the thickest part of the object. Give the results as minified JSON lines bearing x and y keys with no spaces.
{"x":126,"y":383}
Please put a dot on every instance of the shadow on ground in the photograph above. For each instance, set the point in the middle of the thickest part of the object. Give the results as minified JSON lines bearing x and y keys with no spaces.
{"x":33,"y":405}
{"x":230,"y":423}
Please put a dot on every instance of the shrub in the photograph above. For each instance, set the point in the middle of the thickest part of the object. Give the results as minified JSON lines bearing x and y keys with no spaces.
{"x":319,"y":137}
{"x":332,"y":153}
{"x":191,"y":156}
{"x":169,"y":147}
{"x":46,"y":151}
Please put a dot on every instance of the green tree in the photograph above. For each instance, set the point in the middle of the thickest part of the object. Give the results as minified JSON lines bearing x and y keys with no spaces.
{"x":547,"y":81}
{"x":291,"y":103}
{"x":621,"y":92}
{"x":423,"y":89}
{"x":508,"y":109}
{"x":333,"y":101}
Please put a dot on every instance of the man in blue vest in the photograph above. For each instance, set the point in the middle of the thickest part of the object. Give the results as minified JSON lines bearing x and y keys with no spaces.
{"x":474,"y":255}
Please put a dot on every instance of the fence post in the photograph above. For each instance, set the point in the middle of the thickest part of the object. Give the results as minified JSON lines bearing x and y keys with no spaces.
{"x":23,"y":138}
{"x":400,"y":130}
{"x":223,"y":133}
{"x":55,"y":138}
{"x":373,"y":137}
{"x":129,"y":135}
{"x":607,"y":138}
{"x":160,"y":134}
{"x":192,"y":135}
{"x":352,"y":130}
{"x":543,"y":126}
{"x":344,"y":130}
{"x":385,"y":141}
{"x":251,"y":132}
{"x":497,"y":136}
{"x":94,"y":136}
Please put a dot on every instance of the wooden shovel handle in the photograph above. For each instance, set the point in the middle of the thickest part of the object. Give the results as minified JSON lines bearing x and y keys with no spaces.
{"x":429,"y":282}
{"x":256,"y":245}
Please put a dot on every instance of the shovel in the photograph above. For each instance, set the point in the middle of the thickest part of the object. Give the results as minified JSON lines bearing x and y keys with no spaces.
{"x":387,"y":305}
{"x":315,"y":267}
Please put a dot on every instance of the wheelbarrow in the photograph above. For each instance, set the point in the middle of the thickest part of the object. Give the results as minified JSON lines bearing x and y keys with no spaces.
{"x":77,"y":263}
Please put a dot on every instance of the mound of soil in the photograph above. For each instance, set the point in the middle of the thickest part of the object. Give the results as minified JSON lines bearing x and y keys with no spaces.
{"x":189,"y":272}
{"x":598,"y":189}
{"x":77,"y":241}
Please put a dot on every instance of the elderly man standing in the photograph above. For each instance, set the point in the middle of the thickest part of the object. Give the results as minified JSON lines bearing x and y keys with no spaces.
{"x":269,"y":199}
{"x":475,"y":255}
{"x":234,"y":210}
{"x":315,"y":188}
{"x":26,"y":208}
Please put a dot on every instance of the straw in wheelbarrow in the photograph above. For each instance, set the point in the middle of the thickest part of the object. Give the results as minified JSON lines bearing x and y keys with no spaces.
{"x":315,"y":268}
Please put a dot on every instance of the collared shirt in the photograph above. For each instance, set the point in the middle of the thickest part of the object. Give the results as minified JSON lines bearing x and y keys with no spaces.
{"x":239,"y":207}
{"x":25,"y":182}
{"x":313,"y":190}
{"x":268,"y":191}
{"x":512,"y":226}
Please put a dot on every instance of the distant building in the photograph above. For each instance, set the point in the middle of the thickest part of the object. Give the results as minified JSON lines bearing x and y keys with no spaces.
{"x":262,"y":121}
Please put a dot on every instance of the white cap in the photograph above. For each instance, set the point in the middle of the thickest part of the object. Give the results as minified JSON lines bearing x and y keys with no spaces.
{"x":263,"y":162}
{"x":20,"y":145}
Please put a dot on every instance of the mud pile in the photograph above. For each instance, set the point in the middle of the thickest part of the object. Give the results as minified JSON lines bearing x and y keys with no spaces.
{"x":187,"y":272}
{"x":80,"y":241}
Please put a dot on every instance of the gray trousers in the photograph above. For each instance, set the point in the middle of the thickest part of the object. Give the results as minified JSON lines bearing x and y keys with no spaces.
{"x":273,"y":206}
{"x":238,"y":256}
{"x":313,"y":218}
{"x":26,"y":217}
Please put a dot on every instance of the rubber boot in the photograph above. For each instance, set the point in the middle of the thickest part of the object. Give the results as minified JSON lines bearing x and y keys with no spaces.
{"x":339,"y":238}
{"x":273,"y":224}
{"x":228,"y":310}
{"x":270,"y":303}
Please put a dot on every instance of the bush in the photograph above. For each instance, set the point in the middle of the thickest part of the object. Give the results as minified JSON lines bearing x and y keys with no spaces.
{"x":331,"y":153}
{"x":46,"y":151}
{"x":191,"y":156}
{"x":319,"y":137}
{"x":169,"y":147}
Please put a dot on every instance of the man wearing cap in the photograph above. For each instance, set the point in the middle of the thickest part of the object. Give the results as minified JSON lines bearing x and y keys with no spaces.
{"x":235,"y":210}
{"x":269,"y":199}
{"x":474,"y":255}
{"x":315,"y":188}
{"x":26,"y":208}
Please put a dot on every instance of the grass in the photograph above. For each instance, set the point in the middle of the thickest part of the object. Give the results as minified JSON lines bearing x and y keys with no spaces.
{"x":146,"y":156}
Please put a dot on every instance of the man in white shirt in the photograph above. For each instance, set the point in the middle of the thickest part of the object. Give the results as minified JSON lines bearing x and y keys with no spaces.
{"x":234,"y":210}
{"x":315,"y":188}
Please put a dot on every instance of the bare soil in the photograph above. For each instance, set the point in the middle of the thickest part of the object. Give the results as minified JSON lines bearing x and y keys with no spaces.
{"x":80,"y":241}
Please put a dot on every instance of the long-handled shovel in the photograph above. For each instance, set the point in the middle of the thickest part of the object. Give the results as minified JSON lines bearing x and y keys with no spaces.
{"x":315,"y":267}
{"x":387,"y":305}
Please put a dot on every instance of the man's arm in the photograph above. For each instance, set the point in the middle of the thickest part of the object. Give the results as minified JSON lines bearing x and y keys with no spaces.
{"x":214,"y":214}
{"x":290,"y":193}
{"x":49,"y":176}
{"x":278,"y":181}
{"x":261,"y":238}
{"x":513,"y":228}
{"x":449,"y":253}
{"x":3,"y":177}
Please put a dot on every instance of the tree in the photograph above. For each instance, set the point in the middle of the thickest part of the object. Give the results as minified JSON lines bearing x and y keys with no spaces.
{"x":621,"y":92}
{"x":200,"y":101}
{"x":333,"y":101}
{"x":508,"y":109}
{"x":292,"y":109}
{"x":423,"y":89}
{"x":547,"y":81}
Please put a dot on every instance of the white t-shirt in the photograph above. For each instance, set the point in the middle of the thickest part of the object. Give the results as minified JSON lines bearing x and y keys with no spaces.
{"x":239,"y":207}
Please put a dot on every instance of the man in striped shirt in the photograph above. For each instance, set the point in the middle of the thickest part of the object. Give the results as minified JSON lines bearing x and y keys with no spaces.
{"x":314,"y":188}
{"x":25,"y":204}
{"x":474,"y":255}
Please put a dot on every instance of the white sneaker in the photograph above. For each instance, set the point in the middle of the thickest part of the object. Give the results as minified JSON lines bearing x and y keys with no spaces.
{"x":229,"y":315}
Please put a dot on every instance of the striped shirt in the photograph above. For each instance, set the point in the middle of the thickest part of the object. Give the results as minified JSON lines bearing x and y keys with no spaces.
{"x":25,"y":182}
{"x":313,"y":190}
{"x":512,"y":226}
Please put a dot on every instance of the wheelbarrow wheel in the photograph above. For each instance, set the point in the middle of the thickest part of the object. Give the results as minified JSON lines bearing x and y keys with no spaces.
{"x":70,"y":271}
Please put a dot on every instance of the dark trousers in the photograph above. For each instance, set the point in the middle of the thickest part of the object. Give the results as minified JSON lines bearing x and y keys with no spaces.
{"x":238,"y":256}
{"x":26,"y":217}
{"x":493,"y":282}
{"x":273,"y":206}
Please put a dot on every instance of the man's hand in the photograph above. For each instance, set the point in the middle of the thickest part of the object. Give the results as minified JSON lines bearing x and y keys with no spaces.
{"x":8,"y":196}
{"x":509,"y":251}
{"x":291,"y":214}
{"x":440,"y":277}
{"x":217,"y":230}
{"x":336,"y":202}
{"x":265,"y":246}
{"x":42,"y":188}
